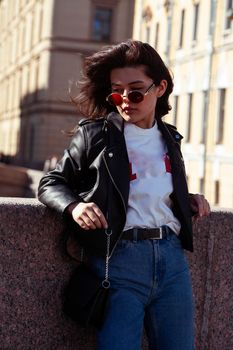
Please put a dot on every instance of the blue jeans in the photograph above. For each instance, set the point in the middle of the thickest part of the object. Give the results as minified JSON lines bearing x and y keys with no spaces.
{"x":151,"y":288}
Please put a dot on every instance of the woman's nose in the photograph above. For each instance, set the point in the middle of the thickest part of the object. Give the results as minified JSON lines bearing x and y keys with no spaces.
{"x":125,"y":94}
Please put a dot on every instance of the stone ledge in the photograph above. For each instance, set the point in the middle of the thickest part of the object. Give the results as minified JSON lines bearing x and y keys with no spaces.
{"x":34,"y":270}
{"x":18,"y":181}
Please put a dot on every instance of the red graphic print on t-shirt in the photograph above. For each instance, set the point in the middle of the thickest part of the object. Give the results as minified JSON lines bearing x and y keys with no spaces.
{"x":167,"y":163}
{"x":131,"y":175}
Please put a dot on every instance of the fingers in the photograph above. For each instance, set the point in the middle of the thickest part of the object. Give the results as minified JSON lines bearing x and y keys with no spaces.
{"x":199,"y":205}
{"x":89,"y":216}
{"x":101,"y":217}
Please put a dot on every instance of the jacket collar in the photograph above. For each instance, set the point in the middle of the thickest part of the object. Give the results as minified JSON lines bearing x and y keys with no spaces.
{"x":117,"y":120}
{"x":169,"y":132}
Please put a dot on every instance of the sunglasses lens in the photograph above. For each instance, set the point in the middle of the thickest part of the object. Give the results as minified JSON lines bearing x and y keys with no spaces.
{"x":115,"y":99}
{"x":135,"y":96}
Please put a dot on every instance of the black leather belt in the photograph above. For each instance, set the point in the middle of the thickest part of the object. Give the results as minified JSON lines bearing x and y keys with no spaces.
{"x":146,"y":233}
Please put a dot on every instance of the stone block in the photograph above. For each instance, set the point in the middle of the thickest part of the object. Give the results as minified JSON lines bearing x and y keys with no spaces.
{"x":34,"y":270}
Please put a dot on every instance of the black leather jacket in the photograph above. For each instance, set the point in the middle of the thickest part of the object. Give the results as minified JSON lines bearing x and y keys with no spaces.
{"x":95,"y":168}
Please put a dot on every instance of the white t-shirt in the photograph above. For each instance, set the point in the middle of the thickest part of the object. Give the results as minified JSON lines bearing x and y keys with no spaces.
{"x":149,"y":203}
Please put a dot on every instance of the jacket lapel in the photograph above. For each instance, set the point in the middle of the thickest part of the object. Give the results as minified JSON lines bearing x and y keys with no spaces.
{"x":172,"y":146}
{"x":177,"y":168}
{"x":116,"y":155}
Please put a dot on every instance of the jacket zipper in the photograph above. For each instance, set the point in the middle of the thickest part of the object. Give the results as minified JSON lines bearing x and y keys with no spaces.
{"x":122,"y":199}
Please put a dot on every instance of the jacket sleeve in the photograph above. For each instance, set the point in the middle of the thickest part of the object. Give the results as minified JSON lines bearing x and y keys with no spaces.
{"x":57,"y":187}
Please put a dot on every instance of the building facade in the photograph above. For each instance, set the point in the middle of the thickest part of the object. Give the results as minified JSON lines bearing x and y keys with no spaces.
{"x":42,"y":45}
{"x":195,"y":38}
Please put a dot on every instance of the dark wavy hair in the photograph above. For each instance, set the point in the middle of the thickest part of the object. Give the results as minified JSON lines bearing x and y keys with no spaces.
{"x":96,"y":84}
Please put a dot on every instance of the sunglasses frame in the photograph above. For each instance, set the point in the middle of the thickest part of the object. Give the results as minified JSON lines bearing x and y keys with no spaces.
{"x":128,"y":95}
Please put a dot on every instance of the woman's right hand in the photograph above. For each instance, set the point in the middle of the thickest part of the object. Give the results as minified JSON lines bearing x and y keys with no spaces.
{"x":87,"y":215}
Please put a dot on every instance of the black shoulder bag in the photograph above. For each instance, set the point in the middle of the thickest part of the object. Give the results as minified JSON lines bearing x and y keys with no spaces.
{"x":86,"y":296}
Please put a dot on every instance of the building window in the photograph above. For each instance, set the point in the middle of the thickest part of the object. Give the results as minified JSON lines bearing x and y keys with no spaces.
{"x":175,"y":109}
{"x":102,"y":24}
{"x":212,"y":16}
{"x":181,"y":38}
{"x":156,"y":36}
{"x":228,"y":14}
{"x":216,"y":192}
{"x":189,"y":122}
{"x":195,"y":21}
{"x":147,"y":34}
{"x":169,"y":33}
{"x":204,"y":117}
{"x":201,"y":185}
{"x":221,"y":116}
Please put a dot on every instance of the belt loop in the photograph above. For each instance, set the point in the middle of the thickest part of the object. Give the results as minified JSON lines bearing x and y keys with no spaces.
{"x":135,"y":234}
{"x":168,"y":232}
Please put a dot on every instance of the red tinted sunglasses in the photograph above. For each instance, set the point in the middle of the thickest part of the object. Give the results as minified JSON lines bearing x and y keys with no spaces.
{"x":134,"y":96}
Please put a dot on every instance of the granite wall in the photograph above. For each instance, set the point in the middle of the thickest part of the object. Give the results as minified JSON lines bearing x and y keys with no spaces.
{"x":34,"y":269}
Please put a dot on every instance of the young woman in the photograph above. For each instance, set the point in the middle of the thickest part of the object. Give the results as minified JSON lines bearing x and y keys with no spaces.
{"x":124,"y":171}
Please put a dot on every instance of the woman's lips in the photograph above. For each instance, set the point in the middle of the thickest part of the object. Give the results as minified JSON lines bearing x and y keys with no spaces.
{"x":128,"y":109}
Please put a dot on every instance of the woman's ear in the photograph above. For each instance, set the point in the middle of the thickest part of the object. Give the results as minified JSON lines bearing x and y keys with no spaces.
{"x":161,"y":88}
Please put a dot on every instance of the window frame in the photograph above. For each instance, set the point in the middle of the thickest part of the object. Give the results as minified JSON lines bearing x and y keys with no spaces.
{"x":175,"y":109}
{"x":221,"y":116}
{"x":196,"y":14}
{"x":157,"y":29}
{"x":189,"y":121}
{"x":107,"y":6}
{"x":228,"y":15}
{"x":204,"y":116}
{"x":182,"y":26}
